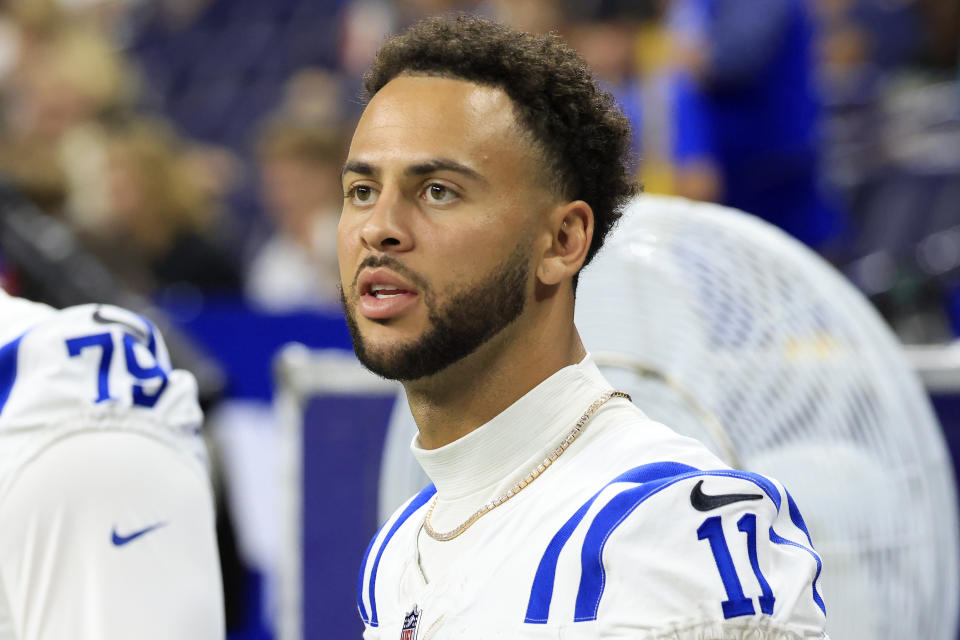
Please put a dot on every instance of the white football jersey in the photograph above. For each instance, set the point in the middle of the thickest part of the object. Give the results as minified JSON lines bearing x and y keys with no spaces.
{"x":634,"y":532}
{"x":82,"y":367}
{"x":103,"y":481}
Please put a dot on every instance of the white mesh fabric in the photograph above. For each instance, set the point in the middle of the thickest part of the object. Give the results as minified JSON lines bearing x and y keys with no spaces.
{"x":754,"y":345}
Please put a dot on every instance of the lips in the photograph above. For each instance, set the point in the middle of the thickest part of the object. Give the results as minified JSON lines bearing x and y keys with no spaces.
{"x":384,"y":294}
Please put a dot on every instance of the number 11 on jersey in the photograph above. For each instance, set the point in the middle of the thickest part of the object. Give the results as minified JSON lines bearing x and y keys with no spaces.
{"x":737,"y":603}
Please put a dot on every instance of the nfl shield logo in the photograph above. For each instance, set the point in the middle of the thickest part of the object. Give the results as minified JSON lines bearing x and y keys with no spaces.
{"x":410,"y":622}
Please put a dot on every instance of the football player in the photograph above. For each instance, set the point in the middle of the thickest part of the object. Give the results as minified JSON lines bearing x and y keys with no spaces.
{"x":106,"y":507}
{"x":485,"y":171}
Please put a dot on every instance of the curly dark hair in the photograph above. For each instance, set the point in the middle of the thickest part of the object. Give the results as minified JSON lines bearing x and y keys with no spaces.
{"x":579,"y":127}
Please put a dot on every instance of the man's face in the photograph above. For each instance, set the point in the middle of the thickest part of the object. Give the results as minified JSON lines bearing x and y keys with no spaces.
{"x":436,"y":236}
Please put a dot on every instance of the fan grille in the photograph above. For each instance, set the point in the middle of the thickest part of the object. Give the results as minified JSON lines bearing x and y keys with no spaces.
{"x":807,"y":383}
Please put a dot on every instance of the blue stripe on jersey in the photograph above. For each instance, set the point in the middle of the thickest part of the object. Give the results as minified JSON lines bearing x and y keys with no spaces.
{"x":816,"y":596}
{"x":418,"y":501}
{"x":8,"y":369}
{"x":613,"y":514}
{"x":797,"y":520}
{"x":541,"y":593}
{"x":363,"y":570}
{"x":152,"y":344}
{"x":651,"y":478}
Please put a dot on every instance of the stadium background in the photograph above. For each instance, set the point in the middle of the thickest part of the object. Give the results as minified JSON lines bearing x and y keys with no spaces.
{"x":183,"y":156}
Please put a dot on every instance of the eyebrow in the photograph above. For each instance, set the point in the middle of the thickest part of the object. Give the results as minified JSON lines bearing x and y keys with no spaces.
{"x":363,"y":168}
{"x":419,"y":169}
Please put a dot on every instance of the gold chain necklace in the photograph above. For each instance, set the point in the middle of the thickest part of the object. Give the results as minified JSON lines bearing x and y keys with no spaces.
{"x":530,"y":477}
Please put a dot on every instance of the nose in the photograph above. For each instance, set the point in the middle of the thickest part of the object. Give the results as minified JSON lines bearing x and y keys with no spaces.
{"x":387,"y":227}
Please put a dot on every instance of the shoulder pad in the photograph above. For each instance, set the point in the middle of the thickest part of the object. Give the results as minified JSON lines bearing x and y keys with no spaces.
{"x":93,"y":361}
{"x":696,"y":545}
{"x":17,"y":315}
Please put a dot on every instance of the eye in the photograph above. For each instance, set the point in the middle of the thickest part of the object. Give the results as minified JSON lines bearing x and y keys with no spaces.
{"x":437,"y":193}
{"x":362,"y":195}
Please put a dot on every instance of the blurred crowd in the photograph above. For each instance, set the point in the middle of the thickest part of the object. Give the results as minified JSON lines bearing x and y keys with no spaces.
{"x":194,"y":146}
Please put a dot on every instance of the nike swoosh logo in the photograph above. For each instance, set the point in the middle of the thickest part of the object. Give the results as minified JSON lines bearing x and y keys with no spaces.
{"x":119,"y":540}
{"x":704,"y":502}
{"x":137,"y":332}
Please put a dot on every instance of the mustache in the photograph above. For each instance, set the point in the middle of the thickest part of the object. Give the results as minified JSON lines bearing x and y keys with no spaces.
{"x":393,"y":264}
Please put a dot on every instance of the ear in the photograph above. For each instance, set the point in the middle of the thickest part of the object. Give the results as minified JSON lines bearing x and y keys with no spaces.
{"x":570,"y":227}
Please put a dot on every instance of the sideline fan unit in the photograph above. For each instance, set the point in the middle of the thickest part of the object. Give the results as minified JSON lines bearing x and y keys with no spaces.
{"x":726,"y":329}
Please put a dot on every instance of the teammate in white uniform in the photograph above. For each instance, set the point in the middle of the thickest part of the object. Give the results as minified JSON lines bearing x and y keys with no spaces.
{"x":484,"y":173}
{"x":107,"y":509}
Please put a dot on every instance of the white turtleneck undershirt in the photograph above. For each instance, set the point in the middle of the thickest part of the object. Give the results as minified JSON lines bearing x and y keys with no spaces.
{"x":488,"y":461}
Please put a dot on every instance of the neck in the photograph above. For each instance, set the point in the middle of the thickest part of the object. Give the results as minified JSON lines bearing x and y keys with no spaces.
{"x":464,"y":396}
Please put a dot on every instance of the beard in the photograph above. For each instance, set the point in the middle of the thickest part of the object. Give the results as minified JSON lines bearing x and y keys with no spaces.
{"x":457,"y":327}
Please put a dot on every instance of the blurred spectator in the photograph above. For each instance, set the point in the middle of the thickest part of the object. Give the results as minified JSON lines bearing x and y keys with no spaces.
{"x":535,"y":16}
{"x":11,"y":41}
{"x":159,"y":214}
{"x":365,"y":24}
{"x":315,"y":96}
{"x":609,"y":47}
{"x":108,"y":17}
{"x":941,"y":46}
{"x":628,"y":48}
{"x":300,"y":175}
{"x":62,"y":81}
{"x":860,"y":46}
{"x":217,"y":170}
{"x":750,"y":113}
{"x":859,"y":41}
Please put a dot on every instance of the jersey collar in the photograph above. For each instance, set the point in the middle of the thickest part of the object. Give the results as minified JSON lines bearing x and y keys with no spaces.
{"x":504,"y":447}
